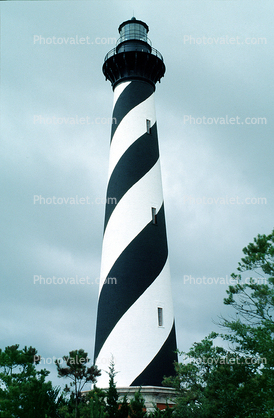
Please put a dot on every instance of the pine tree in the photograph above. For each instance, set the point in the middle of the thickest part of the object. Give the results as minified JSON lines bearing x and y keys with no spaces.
{"x":137,"y":405}
{"x":24,"y":391}
{"x":78,"y":371}
{"x":112,"y":404}
{"x":124,"y":408}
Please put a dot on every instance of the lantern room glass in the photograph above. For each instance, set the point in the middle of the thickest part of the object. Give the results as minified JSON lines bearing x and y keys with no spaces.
{"x":133,"y":31}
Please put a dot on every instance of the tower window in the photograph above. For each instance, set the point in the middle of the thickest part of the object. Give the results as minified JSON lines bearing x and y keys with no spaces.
{"x":160,"y":317}
{"x":148,"y":123}
{"x":154,"y":216}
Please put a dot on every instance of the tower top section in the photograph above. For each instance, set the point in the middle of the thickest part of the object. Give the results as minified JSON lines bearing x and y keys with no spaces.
{"x":133,"y":58}
{"x":132,"y":24}
{"x":133,"y":30}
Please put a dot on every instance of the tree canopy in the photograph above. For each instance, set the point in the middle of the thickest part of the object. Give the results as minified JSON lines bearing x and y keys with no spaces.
{"x":24,"y":392}
{"x":236,"y":382}
{"x":79,"y":372}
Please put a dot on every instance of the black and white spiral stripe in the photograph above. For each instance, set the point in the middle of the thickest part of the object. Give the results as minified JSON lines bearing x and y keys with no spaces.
{"x":135,"y":250}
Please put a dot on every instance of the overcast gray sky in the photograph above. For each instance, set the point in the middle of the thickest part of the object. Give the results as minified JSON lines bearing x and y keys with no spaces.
{"x":219,"y":68}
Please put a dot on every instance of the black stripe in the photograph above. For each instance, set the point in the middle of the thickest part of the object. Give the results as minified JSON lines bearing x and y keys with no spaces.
{"x":137,"y":267}
{"x":135,"y":93}
{"x":136,"y":161}
{"x":162,"y":365}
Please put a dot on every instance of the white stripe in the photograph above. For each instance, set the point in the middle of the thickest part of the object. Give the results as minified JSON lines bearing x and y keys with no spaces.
{"x":130,"y":216}
{"x":132,"y":126}
{"x":119,"y":90}
{"x":137,"y":338}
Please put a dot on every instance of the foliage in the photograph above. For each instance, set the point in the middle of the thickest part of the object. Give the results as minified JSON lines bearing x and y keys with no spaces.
{"x":78,"y":371}
{"x":252,"y":330}
{"x":115,"y":407}
{"x":112,"y":404}
{"x":137,"y":405}
{"x":24,"y":391}
{"x":239,"y":382}
{"x":124,"y":408}
{"x":214,"y":382}
{"x":254,"y":301}
{"x":164,"y":413}
{"x":93,"y":405}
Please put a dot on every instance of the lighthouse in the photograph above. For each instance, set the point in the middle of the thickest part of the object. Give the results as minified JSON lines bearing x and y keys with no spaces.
{"x":135,"y":321}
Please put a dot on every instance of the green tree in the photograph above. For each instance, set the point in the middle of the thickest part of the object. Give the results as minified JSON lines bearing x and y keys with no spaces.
{"x":24,"y":391}
{"x":213,"y":382}
{"x":252,"y":329}
{"x":137,"y":405}
{"x":239,"y":382}
{"x":164,"y":413}
{"x":66,"y":405}
{"x":124,"y":407}
{"x":78,"y":371}
{"x":112,"y":404}
{"x":93,"y":405}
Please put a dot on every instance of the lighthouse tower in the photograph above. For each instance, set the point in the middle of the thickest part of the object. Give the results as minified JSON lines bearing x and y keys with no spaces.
{"x":135,"y":322}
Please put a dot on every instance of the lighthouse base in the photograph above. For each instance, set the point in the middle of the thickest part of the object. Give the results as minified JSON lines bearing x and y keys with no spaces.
{"x":153,"y":395}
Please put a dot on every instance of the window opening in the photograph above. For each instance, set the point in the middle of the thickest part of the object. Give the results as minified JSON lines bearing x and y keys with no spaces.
{"x":154,"y":216}
{"x":148,"y":123}
{"x":160,"y":317}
